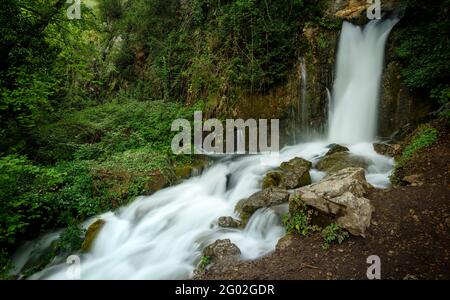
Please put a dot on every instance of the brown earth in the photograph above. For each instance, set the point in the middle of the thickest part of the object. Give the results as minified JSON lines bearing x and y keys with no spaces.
{"x":410,"y":232}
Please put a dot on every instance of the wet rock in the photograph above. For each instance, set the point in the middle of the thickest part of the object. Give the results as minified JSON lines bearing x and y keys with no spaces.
{"x":335,"y":148}
{"x":290,"y":175}
{"x":222,"y":250}
{"x":387,"y":150}
{"x":340,"y":195}
{"x":341,"y":160}
{"x":91,"y":234}
{"x":265,"y":198}
{"x":229,"y":222}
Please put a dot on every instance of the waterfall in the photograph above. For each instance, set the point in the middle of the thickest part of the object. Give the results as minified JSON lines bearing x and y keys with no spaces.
{"x":303,"y":86}
{"x":162,"y":236}
{"x":356,"y":88}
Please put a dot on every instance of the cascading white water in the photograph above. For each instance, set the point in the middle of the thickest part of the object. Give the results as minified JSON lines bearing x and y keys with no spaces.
{"x":356,"y":88}
{"x":162,"y":236}
{"x":303,"y":87}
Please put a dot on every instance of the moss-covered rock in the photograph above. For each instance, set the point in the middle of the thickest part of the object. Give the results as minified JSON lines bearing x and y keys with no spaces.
{"x":290,"y":175}
{"x":91,"y":234}
{"x":341,"y":160}
{"x":265,"y":198}
{"x":273,"y":178}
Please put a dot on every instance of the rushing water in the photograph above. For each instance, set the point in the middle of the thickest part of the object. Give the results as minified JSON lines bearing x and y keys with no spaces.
{"x":356,"y":88}
{"x":162,"y":236}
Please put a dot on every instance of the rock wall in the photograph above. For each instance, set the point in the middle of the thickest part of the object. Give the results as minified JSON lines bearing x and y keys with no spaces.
{"x":302,"y":107}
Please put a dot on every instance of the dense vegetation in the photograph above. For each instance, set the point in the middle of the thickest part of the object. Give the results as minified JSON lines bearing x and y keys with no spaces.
{"x":423,"y":39}
{"x":86,"y":105}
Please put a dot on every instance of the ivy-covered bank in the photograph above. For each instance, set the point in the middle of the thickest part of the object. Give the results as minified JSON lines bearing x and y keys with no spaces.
{"x":86,"y":104}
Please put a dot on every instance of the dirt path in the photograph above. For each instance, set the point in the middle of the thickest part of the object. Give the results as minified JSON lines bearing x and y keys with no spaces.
{"x":410,"y":232}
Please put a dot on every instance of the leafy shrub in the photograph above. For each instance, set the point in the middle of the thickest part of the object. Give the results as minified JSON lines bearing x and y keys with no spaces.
{"x":297,"y":223}
{"x":5,"y":265}
{"x":100,"y":131}
{"x":204,"y":261}
{"x":18,"y":211}
{"x":300,"y":221}
{"x":70,"y":240}
{"x":332,"y":233}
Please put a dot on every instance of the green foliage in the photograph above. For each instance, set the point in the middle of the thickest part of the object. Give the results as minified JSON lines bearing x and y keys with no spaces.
{"x":300,"y":221}
{"x":441,"y":94}
{"x":423,"y":43}
{"x":42,"y":58}
{"x":322,"y":41}
{"x":18,"y":211}
{"x":297,"y":223}
{"x":424,"y":137}
{"x":5,"y":265}
{"x":204,"y":262}
{"x":332,"y":233}
{"x":330,"y":23}
{"x":196,"y":48}
{"x":70,"y":240}
{"x":98,"y":132}
{"x":102,"y":157}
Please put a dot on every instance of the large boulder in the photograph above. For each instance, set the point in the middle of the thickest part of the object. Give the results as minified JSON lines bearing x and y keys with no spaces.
{"x":341,"y":195}
{"x":222,"y":250}
{"x":290,"y":175}
{"x":341,"y":160}
{"x":265,"y":198}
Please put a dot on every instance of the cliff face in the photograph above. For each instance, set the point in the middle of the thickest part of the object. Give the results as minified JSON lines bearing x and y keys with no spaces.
{"x":302,"y":101}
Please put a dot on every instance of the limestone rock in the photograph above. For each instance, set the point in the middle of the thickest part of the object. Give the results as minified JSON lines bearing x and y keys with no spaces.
{"x":221,"y":250}
{"x":290,"y":175}
{"x":265,"y":198}
{"x":341,"y":195}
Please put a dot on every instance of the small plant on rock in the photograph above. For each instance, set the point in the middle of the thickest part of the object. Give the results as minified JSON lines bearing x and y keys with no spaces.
{"x":300,"y":221}
{"x":333,"y":233}
{"x":205,"y":261}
